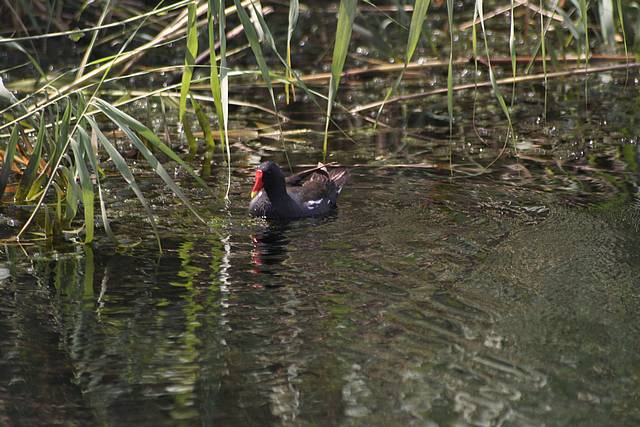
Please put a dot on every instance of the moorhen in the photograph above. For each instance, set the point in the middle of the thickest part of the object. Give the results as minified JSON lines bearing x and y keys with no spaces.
{"x":309,"y":193}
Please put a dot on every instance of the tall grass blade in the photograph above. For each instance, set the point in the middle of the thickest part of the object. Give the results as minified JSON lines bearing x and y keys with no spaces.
{"x":585,"y":27}
{"x":584,"y":21}
{"x":105,"y":71}
{"x":219,"y":81}
{"x":512,"y":52}
{"x":92,"y":43}
{"x":73,"y":194}
{"x":543,"y":45}
{"x":62,"y":135}
{"x":189,"y":59}
{"x":294,"y":10}
{"x":124,"y":120}
{"x":313,"y":95}
{"x":215,"y":77}
{"x":554,"y":10}
{"x":90,"y":147}
{"x":86,"y":185}
{"x":30,"y":173}
{"x":16,"y":46}
{"x":9,"y":153}
{"x":254,"y":42}
{"x":607,"y":27}
{"x":415,"y":31}
{"x":203,"y":121}
{"x":126,"y":173}
{"x":131,"y":128}
{"x":450,"y":67}
{"x":624,"y":34}
{"x":346,"y":15}
{"x":492,"y":78}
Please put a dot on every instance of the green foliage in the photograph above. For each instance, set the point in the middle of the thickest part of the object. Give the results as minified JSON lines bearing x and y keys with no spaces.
{"x":9,"y":154}
{"x":346,"y":15}
{"x":68,"y":149}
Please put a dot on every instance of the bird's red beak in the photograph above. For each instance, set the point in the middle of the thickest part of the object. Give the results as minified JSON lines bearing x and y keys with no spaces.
{"x":258,"y":184}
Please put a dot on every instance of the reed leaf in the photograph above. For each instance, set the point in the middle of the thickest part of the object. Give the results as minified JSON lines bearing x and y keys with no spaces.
{"x":294,"y":11}
{"x":299,"y":82}
{"x":346,"y":15}
{"x":131,"y":128}
{"x":621,"y":22}
{"x":215,"y":78}
{"x":9,"y":153}
{"x":62,"y":134}
{"x":203,"y":121}
{"x":543,"y":45}
{"x":252,"y":36}
{"x":86,"y":186}
{"x":189,"y":58}
{"x":512,"y":52}
{"x":126,"y":173}
{"x":220,"y":80}
{"x":415,"y":31}
{"x":92,"y":43}
{"x":584,"y":20}
{"x":254,"y":42}
{"x":73,"y":194}
{"x":607,"y":26}
{"x":124,"y":120}
{"x":30,"y":173}
{"x":450,"y":67}
{"x":492,"y":78}
{"x":90,"y":147}
{"x":554,"y":9}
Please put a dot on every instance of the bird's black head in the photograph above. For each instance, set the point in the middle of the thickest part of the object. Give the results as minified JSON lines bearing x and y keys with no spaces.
{"x":270,"y":177}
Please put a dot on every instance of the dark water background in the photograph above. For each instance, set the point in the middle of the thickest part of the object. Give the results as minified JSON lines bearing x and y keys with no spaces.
{"x":500,"y":297}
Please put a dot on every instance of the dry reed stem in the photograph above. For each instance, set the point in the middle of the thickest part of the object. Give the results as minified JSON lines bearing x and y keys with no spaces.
{"x":508,"y":80}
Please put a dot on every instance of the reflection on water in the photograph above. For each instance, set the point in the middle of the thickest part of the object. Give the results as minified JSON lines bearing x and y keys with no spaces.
{"x":269,"y":248}
{"x":458,"y":311}
{"x":503,"y":298}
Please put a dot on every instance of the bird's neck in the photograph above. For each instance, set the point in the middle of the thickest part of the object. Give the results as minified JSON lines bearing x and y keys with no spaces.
{"x":278,"y":193}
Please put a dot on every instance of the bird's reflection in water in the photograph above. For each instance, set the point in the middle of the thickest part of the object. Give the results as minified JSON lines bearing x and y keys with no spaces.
{"x":270,"y":249}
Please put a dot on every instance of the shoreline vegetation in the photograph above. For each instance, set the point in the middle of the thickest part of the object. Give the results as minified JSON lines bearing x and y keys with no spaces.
{"x":59,"y":120}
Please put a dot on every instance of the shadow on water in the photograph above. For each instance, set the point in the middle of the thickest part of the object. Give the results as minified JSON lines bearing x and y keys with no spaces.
{"x":270,"y":248}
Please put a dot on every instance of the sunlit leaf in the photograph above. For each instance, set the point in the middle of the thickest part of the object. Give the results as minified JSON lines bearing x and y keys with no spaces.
{"x":131,"y":128}
{"x":254,"y":42}
{"x":203,"y":121}
{"x":189,"y":59}
{"x":415,"y":31}
{"x":450,"y":67}
{"x":86,"y":185}
{"x":90,"y":154}
{"x":346,"y":15}
{"x":126,"y":173}
{"x":9,"y":153}
{"x":294,"y":10}
{"x":607,"y":27}
{"x":30,"y":173}
{"x":124,"y":120}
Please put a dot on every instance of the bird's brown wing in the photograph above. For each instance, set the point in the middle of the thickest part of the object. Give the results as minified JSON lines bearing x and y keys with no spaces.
{"x":319,"y":173}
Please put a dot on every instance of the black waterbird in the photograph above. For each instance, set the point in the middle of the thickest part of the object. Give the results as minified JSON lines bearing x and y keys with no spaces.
{"x":309,"y":193}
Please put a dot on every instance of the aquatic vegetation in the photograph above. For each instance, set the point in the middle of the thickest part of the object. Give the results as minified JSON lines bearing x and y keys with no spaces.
{"x":56,"y":144}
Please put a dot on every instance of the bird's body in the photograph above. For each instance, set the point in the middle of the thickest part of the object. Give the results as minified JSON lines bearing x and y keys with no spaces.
{"x":310,"y":193}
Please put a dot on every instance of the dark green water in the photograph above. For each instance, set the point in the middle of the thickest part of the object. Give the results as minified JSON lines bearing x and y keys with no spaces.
{"x":510,"y":298}
{"x":500,"y":297}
